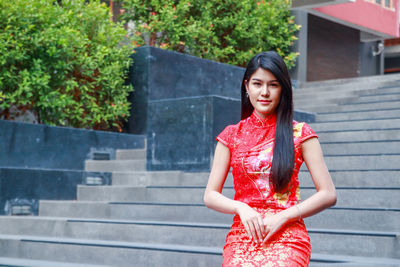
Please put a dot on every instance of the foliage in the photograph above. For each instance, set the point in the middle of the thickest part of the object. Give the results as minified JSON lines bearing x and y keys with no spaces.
{"x":64,"y":61}
{"x":228,"y":31}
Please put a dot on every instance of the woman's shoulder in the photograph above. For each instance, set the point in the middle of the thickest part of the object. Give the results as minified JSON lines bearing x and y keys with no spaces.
{"x":298,"y":125}
{"x":303,"y":131}
{"x":228,"y":134}
{"x":231,"y":128}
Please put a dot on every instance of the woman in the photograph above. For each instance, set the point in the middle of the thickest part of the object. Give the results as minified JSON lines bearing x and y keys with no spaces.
{"x":265,"y":150}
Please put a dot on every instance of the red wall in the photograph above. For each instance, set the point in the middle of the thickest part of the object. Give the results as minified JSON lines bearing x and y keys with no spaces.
{"x":367,"y":15}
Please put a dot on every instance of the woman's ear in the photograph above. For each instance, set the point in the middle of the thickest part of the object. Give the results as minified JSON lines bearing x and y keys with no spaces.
{"x":246,"y":85}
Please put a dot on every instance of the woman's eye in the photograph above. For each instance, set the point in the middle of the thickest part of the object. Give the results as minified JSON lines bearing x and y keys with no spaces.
{"x":274,"y":85}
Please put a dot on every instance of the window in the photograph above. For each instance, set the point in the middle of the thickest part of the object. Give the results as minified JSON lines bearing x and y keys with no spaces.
{"x":383,"y":3}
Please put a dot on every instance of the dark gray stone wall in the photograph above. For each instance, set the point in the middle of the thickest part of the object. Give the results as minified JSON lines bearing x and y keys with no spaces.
{"x":47,"y":162}
{"x":25,"y":145}
{"x":182,"y":132}
{"x":160,"y":74}
{"x":182,"y":103}
{"x":34,"y":184}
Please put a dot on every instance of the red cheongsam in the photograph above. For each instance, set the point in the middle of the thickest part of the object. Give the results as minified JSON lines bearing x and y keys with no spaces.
{"x":251,"y":144}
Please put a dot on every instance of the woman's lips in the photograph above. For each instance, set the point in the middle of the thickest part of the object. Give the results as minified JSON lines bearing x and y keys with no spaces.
{"x":264,"y":101}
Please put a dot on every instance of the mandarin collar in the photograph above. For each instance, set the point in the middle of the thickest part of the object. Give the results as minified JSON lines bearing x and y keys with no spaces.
{"x":257,"y":121}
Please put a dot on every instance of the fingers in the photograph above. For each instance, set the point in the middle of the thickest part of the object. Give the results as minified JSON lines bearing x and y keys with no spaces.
{"x":263,"y":231}
{"x":253,"y":232}
{"x":258,"y":229}
{"x":270,"y":229}
{"x":252,"y":222}
{"x":255,"y":229}
{"x":247,"y":228}
{"x":268,"y":236}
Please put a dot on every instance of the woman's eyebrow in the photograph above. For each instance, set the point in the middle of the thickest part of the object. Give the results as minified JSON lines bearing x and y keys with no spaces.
{"x":256,"y":79}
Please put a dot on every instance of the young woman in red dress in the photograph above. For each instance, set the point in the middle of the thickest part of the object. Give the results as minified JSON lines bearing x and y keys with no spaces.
{"x":265,"y":150}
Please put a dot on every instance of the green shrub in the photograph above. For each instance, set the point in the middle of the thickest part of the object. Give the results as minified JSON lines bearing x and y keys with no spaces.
{"x":64,"y":61}
{"x":227,"y":31}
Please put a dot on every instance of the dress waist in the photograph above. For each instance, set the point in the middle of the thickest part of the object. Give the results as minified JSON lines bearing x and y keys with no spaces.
{"x":272,"y":204}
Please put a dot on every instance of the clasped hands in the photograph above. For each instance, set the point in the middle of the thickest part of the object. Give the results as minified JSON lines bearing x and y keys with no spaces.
{"x":258,"y":228}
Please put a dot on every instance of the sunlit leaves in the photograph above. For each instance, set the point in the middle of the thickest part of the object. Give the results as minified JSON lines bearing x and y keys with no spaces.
{"x":65,"y":62}
{"x":228,"y":31}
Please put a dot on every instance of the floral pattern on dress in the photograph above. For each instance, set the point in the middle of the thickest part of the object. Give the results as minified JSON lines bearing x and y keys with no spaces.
{"x":251,"y":143}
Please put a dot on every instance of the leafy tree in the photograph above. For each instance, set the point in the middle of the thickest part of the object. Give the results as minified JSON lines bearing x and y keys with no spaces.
{"x":228,"y":31}
{"x":64,"y":61}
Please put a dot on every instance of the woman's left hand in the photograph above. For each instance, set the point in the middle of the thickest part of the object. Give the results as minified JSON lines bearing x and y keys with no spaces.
{"x":273,"y":223}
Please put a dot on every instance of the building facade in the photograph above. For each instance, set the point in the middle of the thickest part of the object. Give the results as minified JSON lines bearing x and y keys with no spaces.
{"x":342,"y":39}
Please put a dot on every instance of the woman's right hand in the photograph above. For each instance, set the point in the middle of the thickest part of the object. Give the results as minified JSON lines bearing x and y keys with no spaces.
{"x":252,"y":221}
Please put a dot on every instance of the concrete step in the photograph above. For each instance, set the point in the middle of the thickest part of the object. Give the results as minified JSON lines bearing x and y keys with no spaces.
{"x":115,"y":165}
{"x":362,"y":162}
{"x":387,"y":90}
{"x":157,"y":232}
{"x":372,"y":178}
{"x":18,"y":262}
{"x":365,"y":115}
{"x":361,"y":125}
{"x":364,"y":148}
{"x":358,"y":179}
{"x":347,"y":197}
{"x":145,"y":178}
{"x":372,"y":98}
{"x":345,"y":91}
{"x":189,"y":195}
{"x":136,"y":254}
{"x":321,"y":96}
{"x":130,"y":154}
{"x":317,"y":260}
{"x":377,"y":219}
{"x":336,"y":108}
{"x":372,"y":94}
{"x":324,"y":260}
{"x":112,"y":253}
{"x":345,"y":96}
{"x":358,"y":136}
{"x":166,"y":178}
{"x":353,"y":83}
{"x":354,"y":218}
{"x":302,"y":103}
{"x":132,"y":211}
{"x":195,"y":234}
{"x":360,"y":243}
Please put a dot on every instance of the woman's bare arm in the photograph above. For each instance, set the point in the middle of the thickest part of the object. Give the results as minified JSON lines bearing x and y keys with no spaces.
{"x":322,"y":199}
{"x":219,"y":171}
{"x":326,"y":193}
{"x":213,"y":198}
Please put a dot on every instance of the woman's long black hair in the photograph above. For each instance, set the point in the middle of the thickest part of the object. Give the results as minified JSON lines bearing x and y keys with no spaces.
{"x":283,"y":158}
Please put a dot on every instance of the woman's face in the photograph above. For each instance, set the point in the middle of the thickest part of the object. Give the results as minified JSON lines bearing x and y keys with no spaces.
{"x":264,"y":92}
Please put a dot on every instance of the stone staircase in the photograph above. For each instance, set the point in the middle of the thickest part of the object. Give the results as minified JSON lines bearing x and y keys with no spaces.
{"x":158,"y":218}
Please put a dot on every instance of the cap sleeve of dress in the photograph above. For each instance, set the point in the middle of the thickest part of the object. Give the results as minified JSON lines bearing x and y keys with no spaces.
{"x":225,"y":137}
{"x":307,"y":132}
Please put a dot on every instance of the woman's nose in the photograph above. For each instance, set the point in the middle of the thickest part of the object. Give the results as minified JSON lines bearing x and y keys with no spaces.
{"x":265,"y":90}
